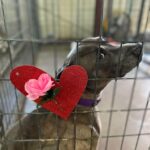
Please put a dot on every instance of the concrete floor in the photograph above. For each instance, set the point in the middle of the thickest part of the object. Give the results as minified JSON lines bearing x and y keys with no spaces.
{"x":123,"y":96}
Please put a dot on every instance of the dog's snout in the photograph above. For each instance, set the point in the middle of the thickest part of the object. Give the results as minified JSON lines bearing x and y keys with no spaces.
{"x":139,"y":45}
{"x":135,"y":48}
{"x":138,"y":49}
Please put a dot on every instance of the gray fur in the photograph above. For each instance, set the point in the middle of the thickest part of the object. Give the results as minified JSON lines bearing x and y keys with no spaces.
{"x":52,"y":127}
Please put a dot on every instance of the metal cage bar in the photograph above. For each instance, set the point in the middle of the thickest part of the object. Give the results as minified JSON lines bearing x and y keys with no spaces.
{"x":34,"y":42}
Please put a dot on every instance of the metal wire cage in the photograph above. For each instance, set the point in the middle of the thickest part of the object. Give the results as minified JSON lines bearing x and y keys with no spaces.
{"x":39,"y":32}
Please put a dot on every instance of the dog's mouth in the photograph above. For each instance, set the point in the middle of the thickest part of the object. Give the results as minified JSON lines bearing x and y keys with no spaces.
{"x":132,"y":59}
{"x":122,"y":73}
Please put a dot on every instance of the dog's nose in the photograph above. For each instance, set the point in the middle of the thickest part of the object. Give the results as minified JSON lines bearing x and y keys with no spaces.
{"x":138,"y":49}
{"x":140,"y":45}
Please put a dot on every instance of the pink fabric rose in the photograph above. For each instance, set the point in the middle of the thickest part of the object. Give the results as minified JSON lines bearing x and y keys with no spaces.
{"x":36,"y":88}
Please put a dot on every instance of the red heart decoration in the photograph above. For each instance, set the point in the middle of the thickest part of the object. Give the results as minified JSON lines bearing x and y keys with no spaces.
{"x":73,"y":81}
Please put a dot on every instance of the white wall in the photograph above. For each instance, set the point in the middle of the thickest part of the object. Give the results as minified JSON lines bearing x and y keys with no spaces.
{"x":67,"y":18}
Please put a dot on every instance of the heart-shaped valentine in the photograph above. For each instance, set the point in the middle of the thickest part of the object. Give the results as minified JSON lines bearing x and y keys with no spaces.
{"x":72,"y":83}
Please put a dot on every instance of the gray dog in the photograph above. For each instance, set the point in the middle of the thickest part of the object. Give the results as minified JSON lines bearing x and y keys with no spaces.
{"x":43,"y":130}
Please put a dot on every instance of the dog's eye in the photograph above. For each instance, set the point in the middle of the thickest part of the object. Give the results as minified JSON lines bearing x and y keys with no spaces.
{"x":102,"y":55}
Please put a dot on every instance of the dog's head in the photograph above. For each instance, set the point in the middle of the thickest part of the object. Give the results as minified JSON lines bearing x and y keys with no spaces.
{"x":104,"y":60}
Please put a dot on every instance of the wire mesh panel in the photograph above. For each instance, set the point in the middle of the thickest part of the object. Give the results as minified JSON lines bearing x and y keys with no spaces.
{"x":14,"y":25}
{"x":42,"y":33}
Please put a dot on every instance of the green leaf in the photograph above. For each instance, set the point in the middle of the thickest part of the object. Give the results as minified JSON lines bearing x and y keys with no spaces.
{"x":56,"y":91}
{"x":50,"y":95}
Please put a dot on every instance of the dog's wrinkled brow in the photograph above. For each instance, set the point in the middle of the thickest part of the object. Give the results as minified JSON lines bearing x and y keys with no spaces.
{"x":85,"y":50}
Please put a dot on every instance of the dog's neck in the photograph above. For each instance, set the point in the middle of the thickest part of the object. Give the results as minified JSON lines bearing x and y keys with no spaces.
{"x":92,"y":96}
{"x":89,"y":99}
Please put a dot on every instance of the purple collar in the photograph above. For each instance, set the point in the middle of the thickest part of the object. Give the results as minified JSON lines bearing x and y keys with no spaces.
{"x":88,"y":102}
